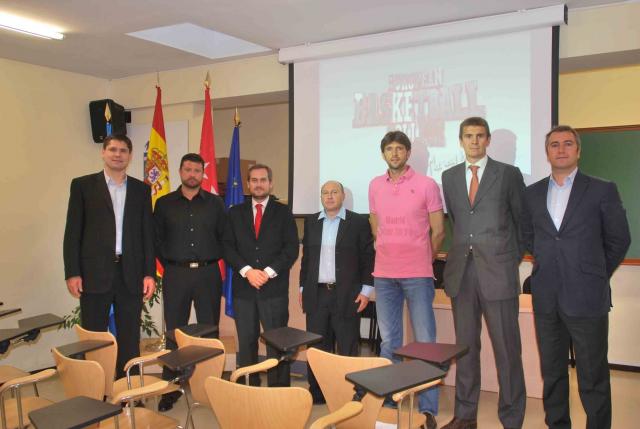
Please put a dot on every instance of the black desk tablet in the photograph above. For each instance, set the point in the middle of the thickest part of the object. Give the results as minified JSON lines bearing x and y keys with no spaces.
{"x":389,"y":379}
{"x":73,"y":413}
{"x":436,"y":353}
{"x":288,"y":339}
{"x":78,"y":349}
{"x":194,"y":330}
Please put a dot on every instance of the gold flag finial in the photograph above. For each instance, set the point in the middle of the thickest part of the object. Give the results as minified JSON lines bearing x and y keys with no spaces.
{"x":236,"y":118}
{"x":207,"y":81}
{"x":107,"y":112}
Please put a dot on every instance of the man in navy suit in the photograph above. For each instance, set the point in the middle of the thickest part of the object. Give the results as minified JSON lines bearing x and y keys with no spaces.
{"x":261,"y":244}
{"x":576,"y":228}
{"x":108,"y":247}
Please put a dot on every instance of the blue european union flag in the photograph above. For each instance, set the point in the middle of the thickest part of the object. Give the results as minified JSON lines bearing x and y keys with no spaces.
{"x":233,"y":195}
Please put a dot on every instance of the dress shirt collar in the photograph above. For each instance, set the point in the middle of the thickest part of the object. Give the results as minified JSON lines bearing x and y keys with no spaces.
{"x":567,"y":181}
{"x":264,"y":203}
{"x":181,"y":195}
{"x":342,"y":214}
{"x":481,"y":163}
{"x":112,"y":182}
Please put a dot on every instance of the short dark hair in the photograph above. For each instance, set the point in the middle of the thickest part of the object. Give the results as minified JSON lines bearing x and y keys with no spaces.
{"x":193,"y":157}
{"x":561,"y":129}
{"x":260,"y":167}
{"x":118,"y":137}
{"x":397,"y":137}
{"x":474,"y":121}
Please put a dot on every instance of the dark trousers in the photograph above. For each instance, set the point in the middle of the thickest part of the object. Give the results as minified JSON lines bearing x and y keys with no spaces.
{"x":127,"y":308}
{"x":502,"y":323}
{"x":249,"y":314}
{"x":590,"y":342}
{"x":182,"y":286}
{"x":337,"y":331}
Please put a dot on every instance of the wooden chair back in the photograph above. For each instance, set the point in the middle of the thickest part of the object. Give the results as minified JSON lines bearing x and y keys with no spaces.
{"x":11,"y":416}
{"x":105,"y":356}
{"x":239,"y":406}
{"x":211,"y":367}
{"x":80,"y":377}
{"x":330,"y":370}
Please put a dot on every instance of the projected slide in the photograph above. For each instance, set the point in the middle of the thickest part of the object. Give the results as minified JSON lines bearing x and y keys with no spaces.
{"x":344,"y":106}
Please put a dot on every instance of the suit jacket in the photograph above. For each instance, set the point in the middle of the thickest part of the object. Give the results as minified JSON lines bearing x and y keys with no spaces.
{"x":573,"y":264}
{"x":490,"y":226}
{"x":353,"y":263}
{"x":276,"y":247}
{"x":90,"y":234}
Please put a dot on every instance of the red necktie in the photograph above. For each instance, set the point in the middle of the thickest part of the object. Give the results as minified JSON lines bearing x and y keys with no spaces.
{"x":473,"y":187}
{"x":258,"y":219}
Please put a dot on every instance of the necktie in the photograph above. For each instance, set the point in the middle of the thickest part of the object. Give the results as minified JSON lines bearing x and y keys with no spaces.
{"x":473,"y":187}
{"x":258,"y":219}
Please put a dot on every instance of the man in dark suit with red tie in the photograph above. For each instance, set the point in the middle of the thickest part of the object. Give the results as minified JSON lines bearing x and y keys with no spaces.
{"x":108,"y":247}
{"x":576,"y":228}
{"x":261,"y":244}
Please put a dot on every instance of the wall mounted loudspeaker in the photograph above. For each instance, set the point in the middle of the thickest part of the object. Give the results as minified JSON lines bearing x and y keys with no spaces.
{"x":99,"y":122}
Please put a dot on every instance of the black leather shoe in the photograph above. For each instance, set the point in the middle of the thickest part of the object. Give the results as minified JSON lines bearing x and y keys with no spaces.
{"x":457,"y":423}
{"x":167,"y":401}
{"x":431,"y":422}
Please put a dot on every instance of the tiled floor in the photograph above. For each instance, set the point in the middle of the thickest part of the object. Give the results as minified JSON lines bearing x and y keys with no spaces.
{"x":625,"y":399}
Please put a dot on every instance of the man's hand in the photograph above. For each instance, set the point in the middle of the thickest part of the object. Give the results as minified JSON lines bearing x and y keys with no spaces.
{"x":148,"y":287}
{"x":74,"y":284}
{"x":363,"y":300}
{"x":257,"y":278}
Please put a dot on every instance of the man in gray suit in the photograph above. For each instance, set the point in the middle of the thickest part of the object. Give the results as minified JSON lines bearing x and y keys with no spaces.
{"x":483,"y":199}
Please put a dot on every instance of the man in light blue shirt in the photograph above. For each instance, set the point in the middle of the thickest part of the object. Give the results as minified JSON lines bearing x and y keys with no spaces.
{"x":335,"y":276}
{"x":558,"y":196}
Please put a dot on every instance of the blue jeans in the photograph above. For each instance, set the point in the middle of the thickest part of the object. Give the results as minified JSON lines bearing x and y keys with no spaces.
{"x":390,"y":296}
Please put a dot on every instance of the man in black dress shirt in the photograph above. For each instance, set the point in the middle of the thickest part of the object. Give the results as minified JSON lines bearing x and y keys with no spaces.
{"x":189,"y":224}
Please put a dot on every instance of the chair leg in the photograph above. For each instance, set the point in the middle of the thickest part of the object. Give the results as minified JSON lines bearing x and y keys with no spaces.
{"x":19,"y":405}
{"x":189,"y":414}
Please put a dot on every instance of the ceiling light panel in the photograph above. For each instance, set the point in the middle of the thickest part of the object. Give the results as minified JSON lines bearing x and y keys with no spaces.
{"x":200,"y":41}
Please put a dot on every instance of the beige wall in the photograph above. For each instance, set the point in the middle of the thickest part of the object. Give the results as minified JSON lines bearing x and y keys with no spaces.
{"x":44,"y":118}
{"x":601,"y":30}
{"x":600,"y":98}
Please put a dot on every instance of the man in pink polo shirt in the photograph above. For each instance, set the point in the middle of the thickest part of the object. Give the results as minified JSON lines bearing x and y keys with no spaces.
{"x":408,"y":225}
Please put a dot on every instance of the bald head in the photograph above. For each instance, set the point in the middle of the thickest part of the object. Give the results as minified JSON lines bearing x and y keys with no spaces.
{"x":332,"y":196}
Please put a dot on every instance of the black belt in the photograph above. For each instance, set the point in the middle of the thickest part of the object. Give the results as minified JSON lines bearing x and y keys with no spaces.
{"x":117,"y":259}
{"x":192,"y":264}
{"x":327,"y":286}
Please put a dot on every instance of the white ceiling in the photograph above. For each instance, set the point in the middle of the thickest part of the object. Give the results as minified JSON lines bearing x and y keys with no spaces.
{"x":96,"y":41}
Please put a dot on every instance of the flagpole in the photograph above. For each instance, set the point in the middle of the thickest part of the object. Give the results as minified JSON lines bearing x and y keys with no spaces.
{"x":157,"y":176}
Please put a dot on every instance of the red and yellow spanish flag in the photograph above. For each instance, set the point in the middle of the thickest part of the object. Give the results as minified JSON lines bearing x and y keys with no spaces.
{"x":156,"y":168}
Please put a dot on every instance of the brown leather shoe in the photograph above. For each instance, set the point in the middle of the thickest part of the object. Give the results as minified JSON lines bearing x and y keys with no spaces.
{"x":431,"y":422}
{"x":457,"y":423}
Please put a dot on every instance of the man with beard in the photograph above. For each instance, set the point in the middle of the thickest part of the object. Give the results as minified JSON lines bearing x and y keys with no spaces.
{"x":407,"y":222}
{"x":261,"y":245}
{"x":189,"y":225}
